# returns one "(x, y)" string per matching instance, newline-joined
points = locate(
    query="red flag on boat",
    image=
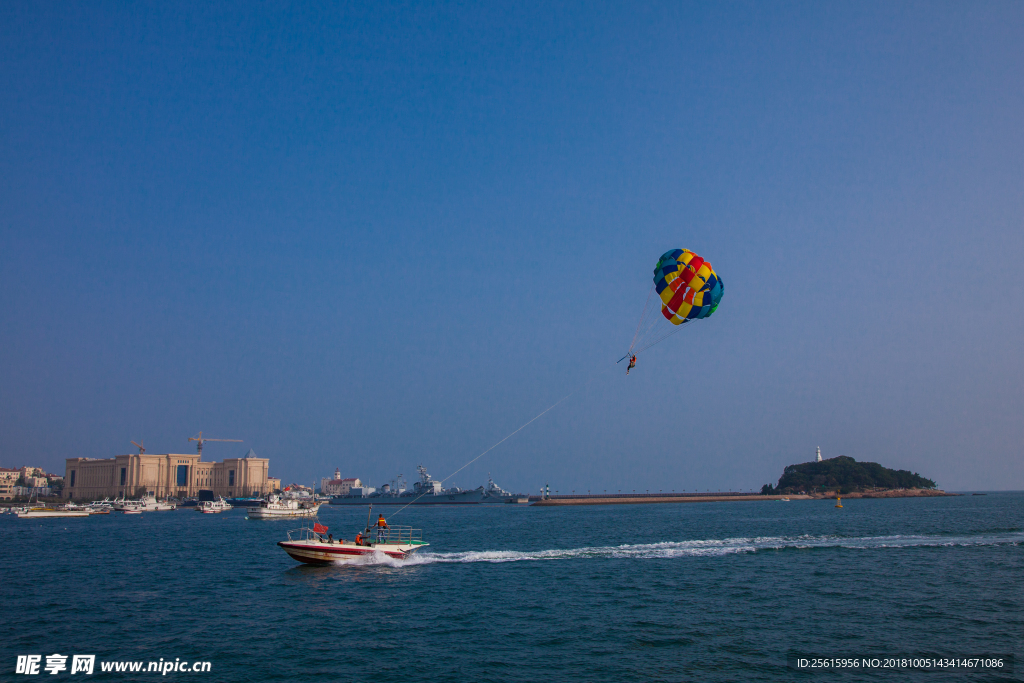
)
(319, 528)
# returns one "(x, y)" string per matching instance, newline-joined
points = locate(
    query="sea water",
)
(660, 592)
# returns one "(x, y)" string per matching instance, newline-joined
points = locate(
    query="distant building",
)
(819, 453)
(338, 486)
(34, 481)
(27, 491)
(32, 472)
(274, 484)
(163, 475)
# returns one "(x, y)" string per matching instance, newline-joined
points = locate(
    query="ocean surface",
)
(665, 592)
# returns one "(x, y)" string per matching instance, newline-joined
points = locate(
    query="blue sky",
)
(374, 236)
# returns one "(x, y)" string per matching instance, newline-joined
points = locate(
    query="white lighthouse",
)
(819, 453)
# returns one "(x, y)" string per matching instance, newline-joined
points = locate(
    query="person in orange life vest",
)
(381, 526)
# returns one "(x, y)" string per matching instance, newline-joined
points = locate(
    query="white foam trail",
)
(700, 548)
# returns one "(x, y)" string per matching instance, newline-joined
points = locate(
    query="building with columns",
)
(164, 475)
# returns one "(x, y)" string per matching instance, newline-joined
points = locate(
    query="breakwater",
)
(639, 498)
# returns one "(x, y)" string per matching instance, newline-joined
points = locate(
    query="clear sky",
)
(371, 236)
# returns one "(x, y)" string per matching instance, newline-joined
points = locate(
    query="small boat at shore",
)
(313, 545)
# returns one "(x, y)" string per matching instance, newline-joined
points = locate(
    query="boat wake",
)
(699, 548)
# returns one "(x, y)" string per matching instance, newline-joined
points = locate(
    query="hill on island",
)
(844, 474)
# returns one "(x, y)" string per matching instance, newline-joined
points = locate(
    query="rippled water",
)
(698, 591)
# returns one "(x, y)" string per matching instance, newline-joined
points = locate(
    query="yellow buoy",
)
(839, 501)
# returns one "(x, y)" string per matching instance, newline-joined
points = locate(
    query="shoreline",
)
(624, 499)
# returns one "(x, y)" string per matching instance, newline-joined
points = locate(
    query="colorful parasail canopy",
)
(688, 286)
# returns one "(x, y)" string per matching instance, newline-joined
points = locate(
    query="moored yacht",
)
(274, 507)
(151, 504)
(208, 507)
(69, 510)
(100, 507)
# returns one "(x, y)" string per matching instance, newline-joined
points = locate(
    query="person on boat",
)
(632, 363)
(359, 539)
(381, 526)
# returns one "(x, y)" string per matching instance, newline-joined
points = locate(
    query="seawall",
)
(628, 499)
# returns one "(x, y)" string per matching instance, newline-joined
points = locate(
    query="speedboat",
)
(274, 508)
(312, 545)
(209, 507)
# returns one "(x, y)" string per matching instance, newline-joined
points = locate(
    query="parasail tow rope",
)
(509, 436)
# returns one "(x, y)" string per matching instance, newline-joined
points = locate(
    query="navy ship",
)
(426, 491)
(494, 494)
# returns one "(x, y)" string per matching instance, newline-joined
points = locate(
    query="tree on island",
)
(845, 475)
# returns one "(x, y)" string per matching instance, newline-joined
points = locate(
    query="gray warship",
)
(426, 491)
(494, 494)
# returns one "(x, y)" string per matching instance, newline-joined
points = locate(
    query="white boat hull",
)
(212, 507)
(324, 553)
(38, 514)
(281, 513)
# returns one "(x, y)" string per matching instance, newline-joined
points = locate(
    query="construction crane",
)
(141, 448)
(201, 440)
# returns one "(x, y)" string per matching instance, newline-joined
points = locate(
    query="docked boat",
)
(125, 505)
(426, 491)
(274, 507)
(147, 503)
(245, 502)
(62, 511)
(151, 504)
(312, 544)
(100, 507)
(209, 507)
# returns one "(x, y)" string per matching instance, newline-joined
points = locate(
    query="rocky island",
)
(847, 477)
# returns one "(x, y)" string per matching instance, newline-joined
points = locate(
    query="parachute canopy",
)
(688, 286)
(689, 289)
